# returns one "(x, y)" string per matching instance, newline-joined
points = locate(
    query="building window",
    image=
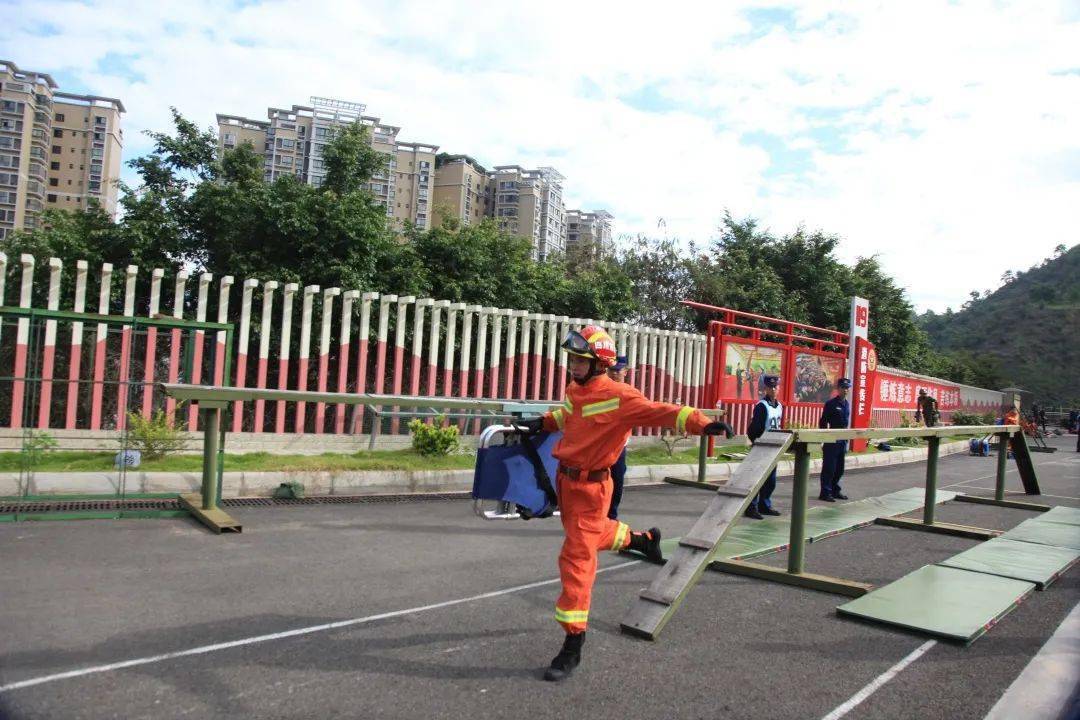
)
(51, 198)
(53, 182)
(59, 117)
(99, 119)
(57, 132)
(54, 165)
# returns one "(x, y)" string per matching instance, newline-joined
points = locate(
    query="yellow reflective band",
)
(600, 407)
(560, 420)
(680, 419)
(571, 616)
(620, 536)
(568, 405)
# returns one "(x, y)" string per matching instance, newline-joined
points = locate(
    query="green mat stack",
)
(963, 597)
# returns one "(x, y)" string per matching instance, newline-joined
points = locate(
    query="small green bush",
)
(964, 418)
(154, 438)
(438, 438)
(906, 422)
(37, 445)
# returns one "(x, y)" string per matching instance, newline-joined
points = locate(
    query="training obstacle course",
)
(714, 535)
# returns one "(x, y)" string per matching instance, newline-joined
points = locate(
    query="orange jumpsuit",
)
(596, 420)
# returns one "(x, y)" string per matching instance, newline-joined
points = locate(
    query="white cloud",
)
(939, 135)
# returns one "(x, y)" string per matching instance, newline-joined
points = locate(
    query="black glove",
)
(532, 426)
(713, 428)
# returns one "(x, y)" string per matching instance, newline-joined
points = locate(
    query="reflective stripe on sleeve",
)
(620, 537)
(569, 406)
(559, 417)
(680, 419)
(598, 408)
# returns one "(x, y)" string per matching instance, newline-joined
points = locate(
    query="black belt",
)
(590, 475)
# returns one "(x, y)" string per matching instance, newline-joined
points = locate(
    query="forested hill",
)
(1031, 325)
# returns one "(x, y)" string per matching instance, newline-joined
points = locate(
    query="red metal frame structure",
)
(789, 338)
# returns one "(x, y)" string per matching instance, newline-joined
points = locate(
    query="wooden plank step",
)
(647, 617)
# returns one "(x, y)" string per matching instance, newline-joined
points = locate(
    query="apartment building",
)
(291, 142)
(529, 203)
(56, 149)
(84, 159)
(590, 228)
(461, 190)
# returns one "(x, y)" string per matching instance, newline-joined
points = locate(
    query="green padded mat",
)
(1040, 564)
(1046, 532)
(757, 537)
(942, 601)
(748, 539)
(1061, 514)
(825, 522)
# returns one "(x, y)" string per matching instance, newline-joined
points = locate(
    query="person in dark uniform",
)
(768, 415)
(834, 416)
(738, 380)
(927, 407)
(617, 372)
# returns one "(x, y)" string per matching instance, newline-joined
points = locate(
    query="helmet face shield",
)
(576, 344)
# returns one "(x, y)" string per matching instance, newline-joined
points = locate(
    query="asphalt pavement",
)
(419, 609)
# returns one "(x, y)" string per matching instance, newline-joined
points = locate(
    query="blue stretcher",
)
(505, 474)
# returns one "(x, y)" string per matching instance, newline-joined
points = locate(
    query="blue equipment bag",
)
(506, 473)
(979, 446)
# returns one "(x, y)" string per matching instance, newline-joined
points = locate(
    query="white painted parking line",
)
(1045, 687)
(879, 681)
(204, 649)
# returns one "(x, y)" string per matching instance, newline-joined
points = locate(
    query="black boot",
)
(752, 512)
(567, 659)
(648, 544)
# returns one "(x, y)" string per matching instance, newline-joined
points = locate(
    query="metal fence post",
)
(798, 508)
(1002, 459)
(932, 444)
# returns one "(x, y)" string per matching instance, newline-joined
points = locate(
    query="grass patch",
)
(253, 462)
(407, 459)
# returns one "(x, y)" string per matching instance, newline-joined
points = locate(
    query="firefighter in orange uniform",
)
(596, 419)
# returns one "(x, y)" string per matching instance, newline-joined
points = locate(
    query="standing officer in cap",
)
(617, 372)
(834, 416)
(768, 414)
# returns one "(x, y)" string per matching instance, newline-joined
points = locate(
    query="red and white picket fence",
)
(455, 349)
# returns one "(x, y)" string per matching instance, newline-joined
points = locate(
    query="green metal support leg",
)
(204, 505)
(211, 425)
(1002, 458)
(798, 508)
(932, 445)
(1024, 465)
(703, 458)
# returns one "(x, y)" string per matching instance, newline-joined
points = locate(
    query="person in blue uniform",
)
(617, 372)
(768, 415)
(834, 416)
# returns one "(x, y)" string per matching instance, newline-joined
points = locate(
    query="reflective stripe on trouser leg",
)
(583, 506)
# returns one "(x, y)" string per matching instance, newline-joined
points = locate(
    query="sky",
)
(943, 137)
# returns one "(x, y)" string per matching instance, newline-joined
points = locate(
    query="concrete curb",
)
(364, 482)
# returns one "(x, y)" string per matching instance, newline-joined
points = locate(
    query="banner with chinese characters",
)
(902, 393)
(862, 397)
